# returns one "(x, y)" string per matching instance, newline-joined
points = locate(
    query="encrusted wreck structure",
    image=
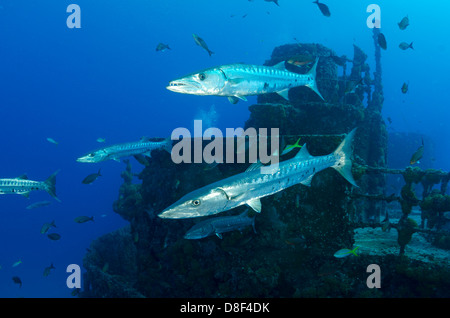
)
(299, 229)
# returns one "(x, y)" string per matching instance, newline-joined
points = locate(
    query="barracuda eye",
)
(201, 76)
(196, 202)
(91, 154)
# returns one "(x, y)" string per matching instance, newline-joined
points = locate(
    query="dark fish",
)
(405, 88)
(274, 1)
(47, 227)
(323, 8)
(405, 46)
(38, 205)
(301, 59)
(83, 219)
(17, 280)
(48, 270)
(92, 177)
(404, 23)
(382, 41)
(54, 236)
(162, 47)
(200, 42)
(417, 155)
(339, 60)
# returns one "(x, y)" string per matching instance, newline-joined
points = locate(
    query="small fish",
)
(54, 236)
(48, 270)
(200, 42)
(17, 280)
(404, 23)
(162, 47)
(382, 41)
(100, 140)
(47, 226)
(417, 155)
(405, 88)
(345, 252)
(75, 291)
(289, 148)
(105, 267)
(17, 263)
(83, 219)
(51, 140)
(385, 224)
(389, 119)
(405, 46)
(39, 204)
(340, 60)
(323, 8)
(274, 1)
(301, 59)
(91, 178)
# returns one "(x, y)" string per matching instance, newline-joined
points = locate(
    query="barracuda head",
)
(207, 82)
(94, 156)
(201, 202)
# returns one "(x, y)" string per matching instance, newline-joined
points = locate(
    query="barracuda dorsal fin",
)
(23, 177)
(303, 154)
(255, 204)
(280, 66)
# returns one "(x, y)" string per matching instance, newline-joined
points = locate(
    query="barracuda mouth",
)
(187, 87)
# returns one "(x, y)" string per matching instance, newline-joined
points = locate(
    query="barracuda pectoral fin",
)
(284, 93)
(233, 100)
(148, 154)
(307, 181)
(255, 204)
(219, 235)
(26, 194)
(241, 97)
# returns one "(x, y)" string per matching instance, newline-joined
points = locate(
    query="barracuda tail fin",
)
(343, 153)
(168, 145)
(313, 83)
(50, 186)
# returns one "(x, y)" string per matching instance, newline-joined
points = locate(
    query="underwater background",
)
(106, 80)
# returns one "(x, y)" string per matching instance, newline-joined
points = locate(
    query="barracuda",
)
(248, 187)
(219, 225)
(236, 81)
(115, 152)
(23, 186)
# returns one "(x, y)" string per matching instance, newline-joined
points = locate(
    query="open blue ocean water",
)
(106, 80)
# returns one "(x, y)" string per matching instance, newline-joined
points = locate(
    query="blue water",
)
(106, 80)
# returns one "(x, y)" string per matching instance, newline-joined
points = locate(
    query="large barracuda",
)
(248, 187)
(142, 147)
(219, 225)
(236, 81)
(21, 185)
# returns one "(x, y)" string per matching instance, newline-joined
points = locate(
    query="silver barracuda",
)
(236, 81)
(115, 152)
(21, 185)
(248, 187)
(219, 225)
